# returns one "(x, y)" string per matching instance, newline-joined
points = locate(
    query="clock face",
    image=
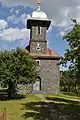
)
(38, 47)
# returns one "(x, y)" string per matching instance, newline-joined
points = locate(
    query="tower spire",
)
(38, 1)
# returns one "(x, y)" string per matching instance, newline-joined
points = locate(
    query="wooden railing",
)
(3, 115)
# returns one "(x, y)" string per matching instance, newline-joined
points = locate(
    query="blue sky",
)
(14, 14)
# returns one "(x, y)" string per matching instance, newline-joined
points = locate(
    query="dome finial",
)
(38, 4)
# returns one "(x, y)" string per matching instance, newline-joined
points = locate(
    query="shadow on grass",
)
(4, 97)
(39, 110)
(70, 110)
(71, 94)
(55, 99)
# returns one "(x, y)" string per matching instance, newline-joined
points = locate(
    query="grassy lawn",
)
(15, 108)
(43, 107)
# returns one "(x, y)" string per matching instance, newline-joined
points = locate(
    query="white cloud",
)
(59, 11)
(66, 29)
(3, 24)
(62, 33)
(12, 34)
(16, 19)
(11, 10)
(66, 12)
(18, 2)
(17, 12)
(13, 19)
(64, 23)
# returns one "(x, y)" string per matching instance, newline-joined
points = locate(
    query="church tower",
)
(38, 25)
(48, 60)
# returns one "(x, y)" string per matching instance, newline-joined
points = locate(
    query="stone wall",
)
(50, 75)
(50, 78)
(24, 88)
(35, 36)
(38, 38)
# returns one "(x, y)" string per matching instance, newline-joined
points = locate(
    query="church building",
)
(47, 60)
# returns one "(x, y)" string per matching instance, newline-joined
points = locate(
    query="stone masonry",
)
(49, 72)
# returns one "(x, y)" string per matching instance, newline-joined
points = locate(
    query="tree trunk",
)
(11, 89)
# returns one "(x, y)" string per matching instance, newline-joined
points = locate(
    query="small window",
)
(38, 30)
(38, 62)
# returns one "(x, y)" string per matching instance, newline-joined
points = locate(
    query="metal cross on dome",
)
(38, 1)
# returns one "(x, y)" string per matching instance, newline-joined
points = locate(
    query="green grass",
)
(34, 107)
(15, 108)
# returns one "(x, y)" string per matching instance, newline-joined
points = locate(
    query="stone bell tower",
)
(48, 60)
(38, 25)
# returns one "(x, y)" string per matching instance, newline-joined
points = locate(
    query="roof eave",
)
(46, 57)
(41, 22)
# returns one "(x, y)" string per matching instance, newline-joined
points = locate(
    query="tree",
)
(16, 66)
(67, 81)
(72, 54)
